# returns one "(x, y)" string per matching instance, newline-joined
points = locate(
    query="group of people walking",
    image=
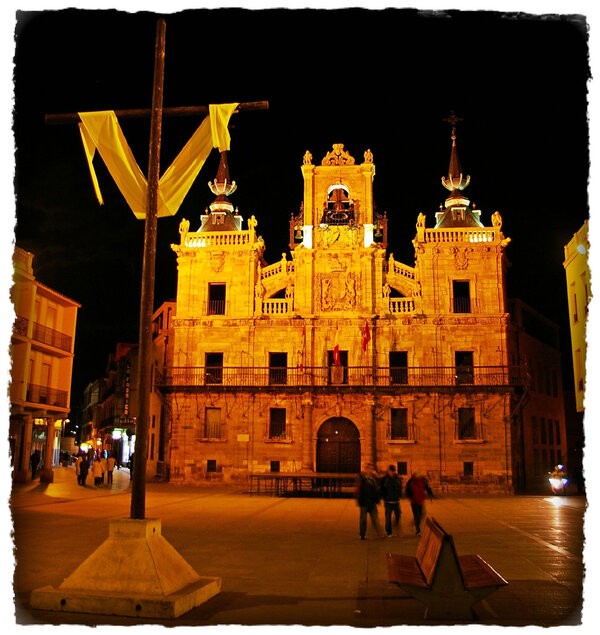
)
(98, 464)
(372, 488)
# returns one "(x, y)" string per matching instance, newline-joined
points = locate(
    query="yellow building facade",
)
(41, 350)
(337, 354)
(577, 273)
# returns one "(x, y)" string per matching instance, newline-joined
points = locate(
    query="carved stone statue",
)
(184, 227)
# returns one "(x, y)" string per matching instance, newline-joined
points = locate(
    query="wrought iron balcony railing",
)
(42, 334)
(337, 376)
(47, 396)
(51, 337)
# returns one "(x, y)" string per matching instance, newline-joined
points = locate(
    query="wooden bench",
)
(446, 583)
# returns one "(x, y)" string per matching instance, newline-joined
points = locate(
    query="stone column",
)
(374, 433)
(47, 473)
(307, 432)
(23, 452)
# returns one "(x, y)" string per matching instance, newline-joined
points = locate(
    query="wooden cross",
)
(138, 489)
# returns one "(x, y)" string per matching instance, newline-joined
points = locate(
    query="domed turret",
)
(456, 211)
(221, 216)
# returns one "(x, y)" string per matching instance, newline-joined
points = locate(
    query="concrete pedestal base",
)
(135, 572)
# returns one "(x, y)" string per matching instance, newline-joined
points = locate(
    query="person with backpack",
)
(417, 490)
(391, 490)
(368, 495)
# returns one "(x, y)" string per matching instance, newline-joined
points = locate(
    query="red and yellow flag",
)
(366, 336)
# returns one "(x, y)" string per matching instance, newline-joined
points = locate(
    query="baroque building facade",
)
(339, 355)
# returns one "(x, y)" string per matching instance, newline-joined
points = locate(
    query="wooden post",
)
(138, 491)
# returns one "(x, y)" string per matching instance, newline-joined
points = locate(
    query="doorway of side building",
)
(338, 447)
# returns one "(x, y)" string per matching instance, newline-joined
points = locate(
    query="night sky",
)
(383, 79)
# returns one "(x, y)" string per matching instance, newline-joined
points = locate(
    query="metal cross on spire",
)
(453, 119)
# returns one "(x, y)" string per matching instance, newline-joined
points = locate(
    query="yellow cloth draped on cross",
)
(101, 131)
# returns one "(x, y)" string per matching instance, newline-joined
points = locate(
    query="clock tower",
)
(336, 236)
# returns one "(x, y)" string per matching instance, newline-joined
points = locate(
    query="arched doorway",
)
(338, 447)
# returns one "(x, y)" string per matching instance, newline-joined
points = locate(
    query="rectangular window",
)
(542, 430)
(277, 368)
(554, 383)
(463, 362)
(214, 368)
(466, 423)
(398, 423)
(557, 431)
(211, 465)
(275, 466)
(461, 296)
(402, 468)
(586, 293)
(212, 423)
(338, 374)
(277, 424)
(468, 468)
(216, 299)
(398, 367)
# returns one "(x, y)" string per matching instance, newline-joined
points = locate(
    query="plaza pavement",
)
(299, 561)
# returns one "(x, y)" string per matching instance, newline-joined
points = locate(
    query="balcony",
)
(350, 379)
(47, 336)
(42, 334)
(46, 396)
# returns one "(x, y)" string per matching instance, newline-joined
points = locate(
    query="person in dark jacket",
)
(84, 468)
(391, 491)
(34, 461)
(417, 490)
(368, 495)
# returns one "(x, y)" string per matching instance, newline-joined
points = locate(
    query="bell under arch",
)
(338, 447)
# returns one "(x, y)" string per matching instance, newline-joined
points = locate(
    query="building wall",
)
(336, 283)
(540, 423)
(579, 294)
(42, 348)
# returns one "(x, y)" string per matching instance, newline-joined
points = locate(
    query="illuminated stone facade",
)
(577, 274)
(337, 354)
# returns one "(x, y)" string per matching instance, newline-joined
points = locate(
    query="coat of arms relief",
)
(338, 291)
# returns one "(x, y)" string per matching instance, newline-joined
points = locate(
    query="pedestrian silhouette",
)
(417, 490)
(368, 495)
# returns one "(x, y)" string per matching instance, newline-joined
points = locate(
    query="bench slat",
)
(478, 573)
(405, 570)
